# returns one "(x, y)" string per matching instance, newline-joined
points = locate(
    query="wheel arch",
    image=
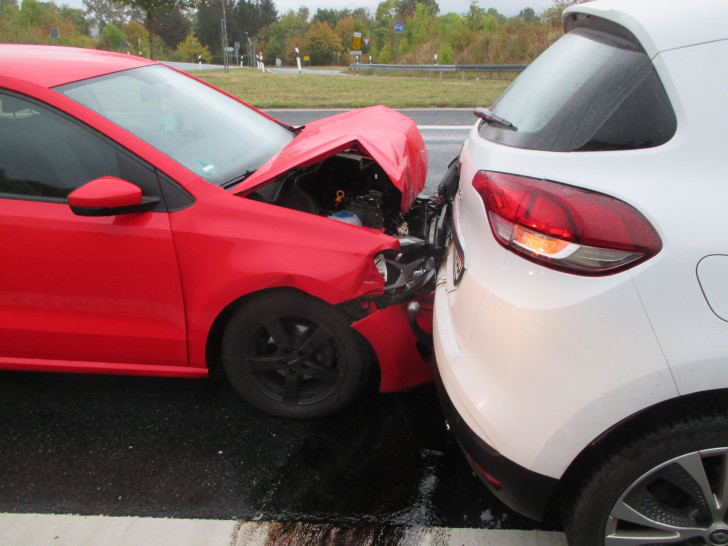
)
(610, 441)
(213, 344)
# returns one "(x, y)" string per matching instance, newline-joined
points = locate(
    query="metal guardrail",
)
(440, 68)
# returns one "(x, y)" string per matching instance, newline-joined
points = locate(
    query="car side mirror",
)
(109, 196)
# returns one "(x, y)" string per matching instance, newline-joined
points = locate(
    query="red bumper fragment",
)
(388, 332)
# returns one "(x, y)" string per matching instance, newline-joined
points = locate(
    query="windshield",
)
(208, 132)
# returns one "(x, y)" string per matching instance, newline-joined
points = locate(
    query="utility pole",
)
(224, 38)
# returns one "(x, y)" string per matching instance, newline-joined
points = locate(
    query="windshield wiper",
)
(487, 115)
(235, 181)
(292, 128)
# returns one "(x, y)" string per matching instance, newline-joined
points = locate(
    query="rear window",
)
(592, 90)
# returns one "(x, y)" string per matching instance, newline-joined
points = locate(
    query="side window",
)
(44, 155)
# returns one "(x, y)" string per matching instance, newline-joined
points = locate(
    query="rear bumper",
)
(522, 490)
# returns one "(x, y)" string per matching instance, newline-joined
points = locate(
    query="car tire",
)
(291, 355)
(669, 484)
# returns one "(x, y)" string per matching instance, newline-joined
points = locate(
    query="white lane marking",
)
(51, 529)
(445, 127)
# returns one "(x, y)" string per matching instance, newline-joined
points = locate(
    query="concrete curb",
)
(69, 530)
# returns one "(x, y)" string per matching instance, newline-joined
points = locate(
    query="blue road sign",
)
(399, 27)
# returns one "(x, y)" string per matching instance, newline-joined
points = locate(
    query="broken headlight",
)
(407, 271)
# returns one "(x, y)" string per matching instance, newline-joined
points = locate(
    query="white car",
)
(581, 317)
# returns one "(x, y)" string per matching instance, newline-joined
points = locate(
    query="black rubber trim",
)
(576, 20)
(146, 205)
(522, 490)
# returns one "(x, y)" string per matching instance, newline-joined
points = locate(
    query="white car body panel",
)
(505, 358)
(539, 363)
(537, 411)
(663, 29)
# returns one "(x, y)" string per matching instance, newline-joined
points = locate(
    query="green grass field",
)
(272, 90)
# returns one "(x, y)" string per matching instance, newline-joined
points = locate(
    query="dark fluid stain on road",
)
(131, 446)
(284, 534)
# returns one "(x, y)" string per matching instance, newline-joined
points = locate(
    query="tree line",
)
(191, 30)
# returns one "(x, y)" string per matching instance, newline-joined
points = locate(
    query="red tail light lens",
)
(564, 227)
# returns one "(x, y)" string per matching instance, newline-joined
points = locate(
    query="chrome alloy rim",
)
(682, 501)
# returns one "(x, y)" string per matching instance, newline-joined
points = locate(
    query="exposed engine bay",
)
(353, 188)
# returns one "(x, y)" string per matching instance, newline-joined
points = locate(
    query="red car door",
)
(80, 291)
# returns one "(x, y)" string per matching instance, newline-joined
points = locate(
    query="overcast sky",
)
(506, 7)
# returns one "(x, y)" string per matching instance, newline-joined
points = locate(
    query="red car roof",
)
(49, 66)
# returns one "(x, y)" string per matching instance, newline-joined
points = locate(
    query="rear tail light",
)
(564, 227)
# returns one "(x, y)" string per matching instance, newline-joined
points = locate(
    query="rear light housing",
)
(564, 227)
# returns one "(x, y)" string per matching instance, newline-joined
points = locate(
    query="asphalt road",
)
(192, 449)
(179, 448)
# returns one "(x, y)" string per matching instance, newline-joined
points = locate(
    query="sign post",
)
(298, 60)
(398, 31)
(223, 22)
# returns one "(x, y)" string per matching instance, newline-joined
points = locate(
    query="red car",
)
(153, 225)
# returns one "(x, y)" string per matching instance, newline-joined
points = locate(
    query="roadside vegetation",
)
(189, 30)
(312, 91)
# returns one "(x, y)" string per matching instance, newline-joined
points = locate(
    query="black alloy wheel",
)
(293, 356)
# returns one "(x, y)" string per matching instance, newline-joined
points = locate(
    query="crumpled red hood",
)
(388, 137)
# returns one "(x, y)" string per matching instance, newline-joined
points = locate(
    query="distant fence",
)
(441, 68)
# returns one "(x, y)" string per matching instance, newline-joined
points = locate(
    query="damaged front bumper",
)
(398, 322)
(411, 271)
(401, 363)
